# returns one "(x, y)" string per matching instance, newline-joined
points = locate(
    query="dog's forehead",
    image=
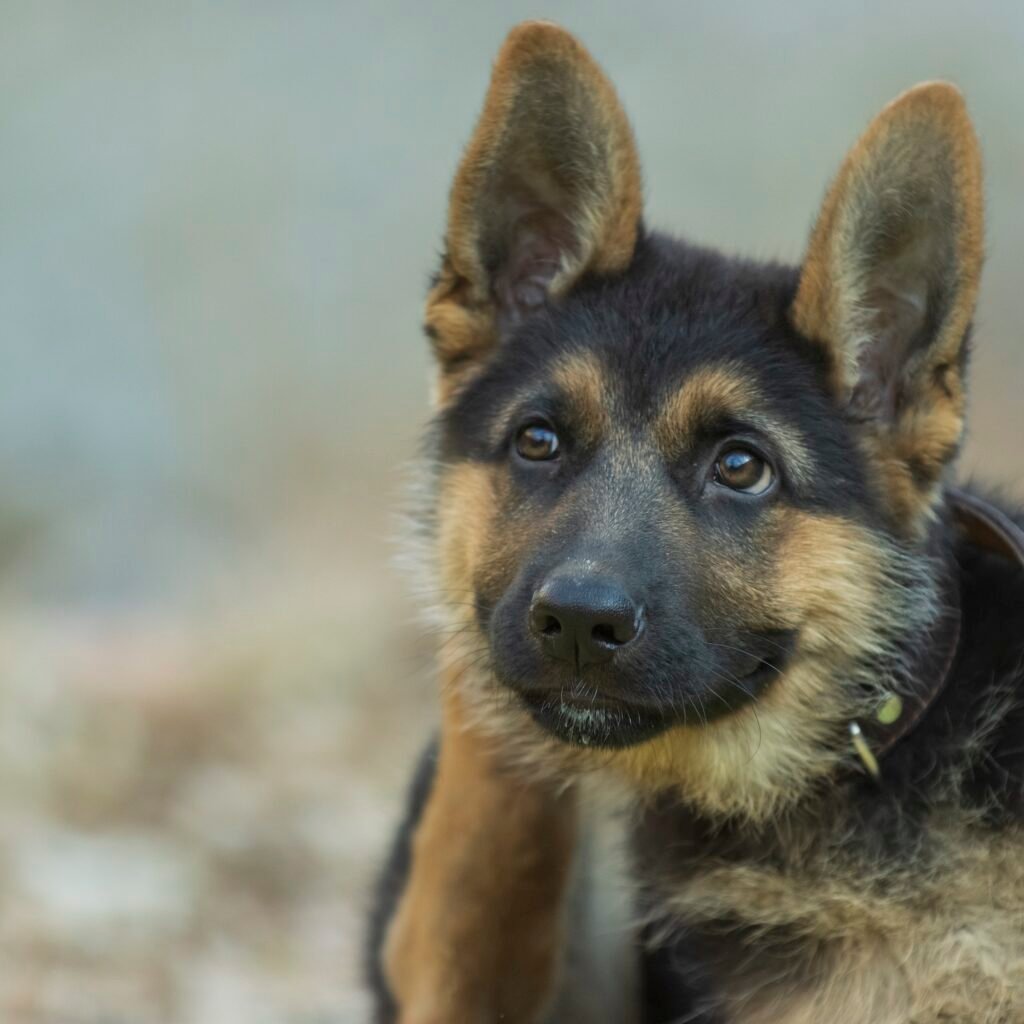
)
(684, 341)
(677, 411)
(675, 404)
(672, 369)
(677, 311)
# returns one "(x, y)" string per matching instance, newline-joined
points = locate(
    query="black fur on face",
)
(673, 486)
(646, 379)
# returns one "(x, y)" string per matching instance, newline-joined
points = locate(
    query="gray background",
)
(216, 226)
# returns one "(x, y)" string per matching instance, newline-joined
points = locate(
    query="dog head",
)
(685, 505)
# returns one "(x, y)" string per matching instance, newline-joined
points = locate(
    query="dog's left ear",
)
(889, 285)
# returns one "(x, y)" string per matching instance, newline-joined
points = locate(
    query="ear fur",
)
(889, 285)
(548, 189)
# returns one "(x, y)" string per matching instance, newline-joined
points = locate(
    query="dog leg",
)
(477, 932)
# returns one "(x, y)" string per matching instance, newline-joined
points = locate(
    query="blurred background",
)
(216, 227)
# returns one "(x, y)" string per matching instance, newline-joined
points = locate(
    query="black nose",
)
(584, 620)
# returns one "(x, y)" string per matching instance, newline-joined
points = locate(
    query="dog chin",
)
(610, 723)
(604, 724)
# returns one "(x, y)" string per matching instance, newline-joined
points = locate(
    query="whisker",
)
(749, 654)
(784, 648)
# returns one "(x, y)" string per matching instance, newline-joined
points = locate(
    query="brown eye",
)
(741, 470)
(537, 443)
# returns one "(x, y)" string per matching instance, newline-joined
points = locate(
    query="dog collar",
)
(987, 527)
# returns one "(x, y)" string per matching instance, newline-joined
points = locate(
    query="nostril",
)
(551, 626)
(617, 631)
(604, 633)
(544, 622)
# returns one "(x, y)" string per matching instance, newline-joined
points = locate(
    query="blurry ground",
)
(193, 805)
(216, 222)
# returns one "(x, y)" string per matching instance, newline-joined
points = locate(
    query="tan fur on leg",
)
(478, 932)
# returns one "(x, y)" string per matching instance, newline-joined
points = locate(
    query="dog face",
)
(636, 500)
(684, 503)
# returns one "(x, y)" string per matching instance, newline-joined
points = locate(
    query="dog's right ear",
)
(548, 188)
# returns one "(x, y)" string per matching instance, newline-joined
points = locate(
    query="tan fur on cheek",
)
(830, 585)
(466, 513)
(829, 578)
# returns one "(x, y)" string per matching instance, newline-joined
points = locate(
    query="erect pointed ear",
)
(889, 284)
(548, 188)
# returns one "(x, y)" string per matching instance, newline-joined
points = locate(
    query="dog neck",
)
(896, 716)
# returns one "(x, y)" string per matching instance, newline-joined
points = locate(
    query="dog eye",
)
(741, 470)
(537, 443)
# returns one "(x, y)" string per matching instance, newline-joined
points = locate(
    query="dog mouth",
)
(598, 722)
(582, 714)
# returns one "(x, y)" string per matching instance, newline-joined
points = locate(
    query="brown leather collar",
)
(985, 526)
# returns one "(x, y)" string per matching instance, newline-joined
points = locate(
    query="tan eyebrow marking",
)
(725, 390)
(581, 382)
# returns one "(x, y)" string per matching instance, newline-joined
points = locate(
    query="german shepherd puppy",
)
(690, 531)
